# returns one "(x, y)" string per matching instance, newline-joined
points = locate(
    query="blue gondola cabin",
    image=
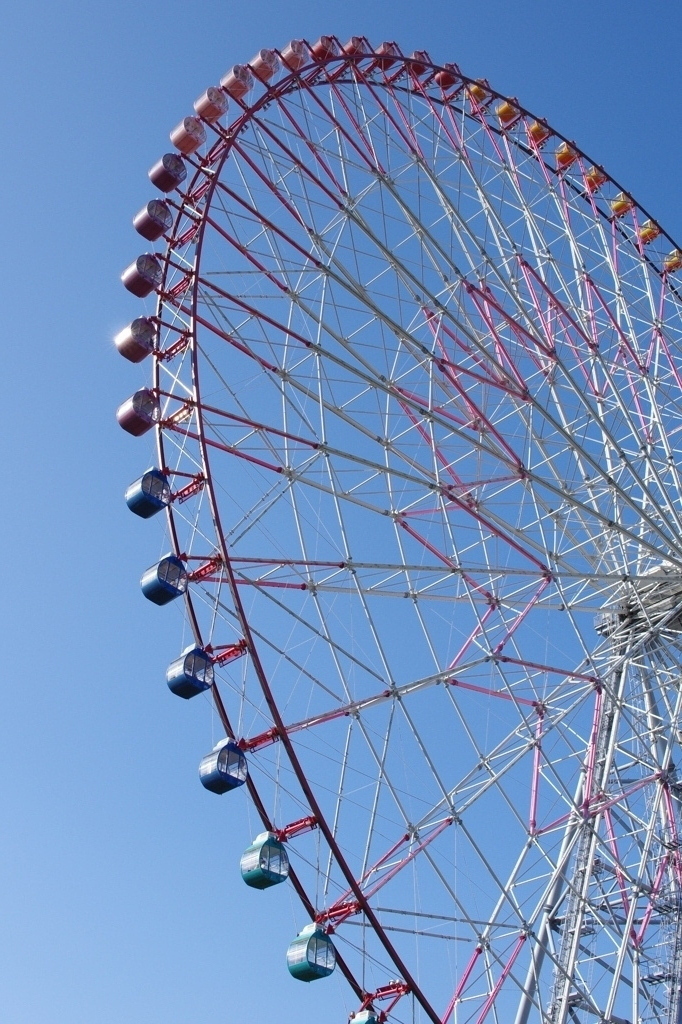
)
(164, 581)
(265, 862)
(311, 955)
(191, 674)
(149, 495)
(224, 768)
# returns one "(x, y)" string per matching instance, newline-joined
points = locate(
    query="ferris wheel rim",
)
(291, 82)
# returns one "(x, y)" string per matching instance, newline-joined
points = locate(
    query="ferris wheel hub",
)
(652, 601)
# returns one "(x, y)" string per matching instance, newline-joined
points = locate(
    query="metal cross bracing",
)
(422, 393)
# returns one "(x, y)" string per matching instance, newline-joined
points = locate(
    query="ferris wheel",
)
(417, 394)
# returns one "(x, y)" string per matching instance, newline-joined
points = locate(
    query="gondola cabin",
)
(168, 172)
(189, 135)
(539, 132)
(224, 768)
(265, 862)
(479, 92)
(265, 64)
(164, 581)
(149, 495)
(447, 77)
(324, 48)
(238, 81)
(139, 413)
(212, 104)
(191, 674)
(565, 156)
(673, 261)
(295, 55)
(648, 232)
(143, 276)
(136, 341)
(621, 204)
(311, 955)
(356, 44)
(364, 1017)
(387, 54)
(153, 220)
(420, 62)
(594, 179)
(508, 113)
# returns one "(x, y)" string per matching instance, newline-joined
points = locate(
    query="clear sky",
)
(120, 899)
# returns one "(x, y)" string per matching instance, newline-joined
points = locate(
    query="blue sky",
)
(121, 899)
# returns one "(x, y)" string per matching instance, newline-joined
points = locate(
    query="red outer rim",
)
(307, 77)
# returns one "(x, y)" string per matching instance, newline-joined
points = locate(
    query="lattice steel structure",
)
(417, 368)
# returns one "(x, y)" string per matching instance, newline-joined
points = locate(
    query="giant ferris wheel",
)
(416, 386)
